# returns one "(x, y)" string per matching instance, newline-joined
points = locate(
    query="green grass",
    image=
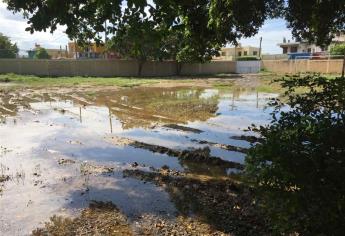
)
(28, 80)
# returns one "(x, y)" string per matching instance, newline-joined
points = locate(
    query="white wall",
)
(248, 67)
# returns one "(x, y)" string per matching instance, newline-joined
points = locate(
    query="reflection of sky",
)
(89, 125)
(65, 129)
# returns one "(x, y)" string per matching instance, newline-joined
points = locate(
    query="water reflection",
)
(42, 127)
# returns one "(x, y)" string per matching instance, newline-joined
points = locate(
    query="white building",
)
(305, 47)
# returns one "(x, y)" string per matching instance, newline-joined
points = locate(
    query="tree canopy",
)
(204, 22)
(7, 48)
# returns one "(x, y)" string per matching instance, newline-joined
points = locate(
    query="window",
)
(245, 53)
(255, 53)
(239, 54)
(309, 50)
(285, 50)
(293, 49)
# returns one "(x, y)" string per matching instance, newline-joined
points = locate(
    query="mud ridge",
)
(250, 139)
(99, 219)
(195, 155)
(183, 128)
(226, 206)
(222, 146)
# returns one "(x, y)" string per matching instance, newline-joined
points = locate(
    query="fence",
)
(302, 66)
(275, 57)
(108, 68)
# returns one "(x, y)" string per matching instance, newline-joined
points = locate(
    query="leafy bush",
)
(7, 49)
(299, 166)
(247, 59)
(41, 53)
(338, 49)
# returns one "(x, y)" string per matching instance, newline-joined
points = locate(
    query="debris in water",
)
(63, 161)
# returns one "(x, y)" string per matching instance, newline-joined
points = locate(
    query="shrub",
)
(41, 53)
(247, 59)
(338, 49)
(298, 168)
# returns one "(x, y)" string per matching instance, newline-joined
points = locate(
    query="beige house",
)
(239, 51)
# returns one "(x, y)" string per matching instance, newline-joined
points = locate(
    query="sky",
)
(13, 26)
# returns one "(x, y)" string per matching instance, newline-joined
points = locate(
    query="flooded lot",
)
(165, 158)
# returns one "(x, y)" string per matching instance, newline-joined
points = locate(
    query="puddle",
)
(49, 138)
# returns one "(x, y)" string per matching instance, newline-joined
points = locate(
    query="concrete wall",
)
(302, 66)
(108, 68)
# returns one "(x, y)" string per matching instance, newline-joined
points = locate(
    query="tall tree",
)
(7, 48)
(206, 23)
(137, 37)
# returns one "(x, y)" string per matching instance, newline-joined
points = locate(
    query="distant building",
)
(92, 51)
(299, 47)
(53, 53)
(305, 47)
(239, 51)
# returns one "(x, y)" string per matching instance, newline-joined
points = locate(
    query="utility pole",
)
(260, 47)
(343, 72)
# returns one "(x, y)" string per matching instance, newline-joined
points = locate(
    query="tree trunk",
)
(140, 67)
(178, 68)
(343, 71)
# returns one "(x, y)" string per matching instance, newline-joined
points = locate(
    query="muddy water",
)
(55, 148)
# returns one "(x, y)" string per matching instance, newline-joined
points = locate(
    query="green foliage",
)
(338, 49)
(315, 20)
(204, 22)
(41, 53)
(7, 49)
(137, 37)
(298, 168)
(249, 58)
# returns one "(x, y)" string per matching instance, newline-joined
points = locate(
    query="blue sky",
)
(14, 26)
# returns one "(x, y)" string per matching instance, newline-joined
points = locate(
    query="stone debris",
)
(91, 169)
(63, 161)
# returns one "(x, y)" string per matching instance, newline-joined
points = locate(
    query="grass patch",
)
(28, 80)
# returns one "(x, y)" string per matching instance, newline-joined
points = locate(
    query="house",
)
(299, 47)
(239, 51)
(92, 51)
(305, 47)
(53, 53)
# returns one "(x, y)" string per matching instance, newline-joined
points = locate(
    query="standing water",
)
(62, 150)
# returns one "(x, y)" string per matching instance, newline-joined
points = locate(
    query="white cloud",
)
(14, 25)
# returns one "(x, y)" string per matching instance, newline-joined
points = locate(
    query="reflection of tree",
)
(142, 107)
